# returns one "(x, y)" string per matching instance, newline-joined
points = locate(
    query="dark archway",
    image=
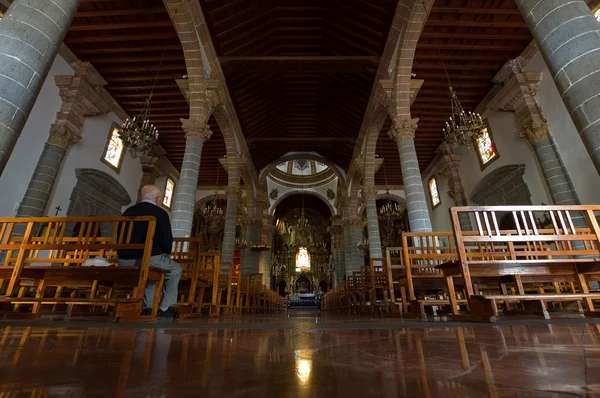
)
(97, 194)
(281, 288)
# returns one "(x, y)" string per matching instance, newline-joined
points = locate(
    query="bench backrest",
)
(50, 240)
(541, 234)
(423, 251)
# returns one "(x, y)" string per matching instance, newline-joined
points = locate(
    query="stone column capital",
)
(403, 128)
(233, 193)
(63, 136)
(198, 130)
(535, 131)
(352, 222)
(370, 192)
(456, 191)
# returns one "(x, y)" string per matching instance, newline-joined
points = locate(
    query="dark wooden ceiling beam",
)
(114, 49)
(108, 38)
(475, 10)
(478, 24)
(119, 12)
(121, 25)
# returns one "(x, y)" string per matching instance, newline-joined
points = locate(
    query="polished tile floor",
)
(300, 355)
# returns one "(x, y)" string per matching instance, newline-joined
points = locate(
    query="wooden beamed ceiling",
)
(125, 41)
(475, 38)
(299, 71)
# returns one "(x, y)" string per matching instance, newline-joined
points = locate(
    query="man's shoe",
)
(169, 313)
(147, 311)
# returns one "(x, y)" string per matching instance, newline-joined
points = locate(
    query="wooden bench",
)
(42, 266)
(198, 270)
(562, 252)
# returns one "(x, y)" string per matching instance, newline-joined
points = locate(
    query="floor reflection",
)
(496, 361)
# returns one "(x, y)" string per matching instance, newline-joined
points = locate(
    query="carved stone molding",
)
(456, 191)
(370, 192)
(63, 136)
(352, 222)
(535, 131)
(233, 192)
(403, 128)
(198, 130)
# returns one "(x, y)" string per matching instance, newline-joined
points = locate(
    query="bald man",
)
(161, 250)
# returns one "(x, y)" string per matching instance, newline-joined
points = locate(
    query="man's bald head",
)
(153, 193)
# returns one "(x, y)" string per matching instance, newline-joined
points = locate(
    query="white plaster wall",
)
(87, 154)
(512, 150)
(575, 157)
(440, 216)
(22, 162)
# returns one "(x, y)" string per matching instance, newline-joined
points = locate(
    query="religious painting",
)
(302, 260)
(434, 192)
(169, 190)
(114, 149)
(486, 150)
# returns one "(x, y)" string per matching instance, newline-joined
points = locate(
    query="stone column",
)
(32, 31)
(233, 194)
(250, 263)
(352, 237)
(567, 36)
(518, 94)
(403, 132)
(337, 234)
(451, 170)
(266, 239)
(182, 215)
(370, 195)
(82, 95)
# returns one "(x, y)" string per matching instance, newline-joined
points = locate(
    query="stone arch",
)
(301, 155)
(503, 186)
(311, 193)
(97, 194)
(202, 104)
(385, 196)
(398, 56)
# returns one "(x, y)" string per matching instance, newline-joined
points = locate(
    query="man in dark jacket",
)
(161, 250)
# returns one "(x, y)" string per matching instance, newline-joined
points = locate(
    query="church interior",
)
(370, 198)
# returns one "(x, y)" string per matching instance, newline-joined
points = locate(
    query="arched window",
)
(302, 260)
(434, 193)
(486, 149)
(169, 190)
(114, 149)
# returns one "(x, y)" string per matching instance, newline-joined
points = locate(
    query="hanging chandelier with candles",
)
(463, 127)
(139, 135)
(213, 212)
(391, 210)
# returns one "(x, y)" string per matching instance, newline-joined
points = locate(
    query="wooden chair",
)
(395, 269)
(377, 287)
(43, 266)
(527, 254)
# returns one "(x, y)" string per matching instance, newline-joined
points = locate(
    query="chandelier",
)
(212, 211)
(463, 127)
(391, 210)
(139, 135)
(363, 244)
(240, 243)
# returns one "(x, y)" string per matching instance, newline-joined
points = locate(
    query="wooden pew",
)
(422, 252)
(376, 286)
(197, 275)
(395, 269)
(42, 266)
(561, 253)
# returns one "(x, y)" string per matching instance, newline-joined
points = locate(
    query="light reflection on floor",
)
(300, 361)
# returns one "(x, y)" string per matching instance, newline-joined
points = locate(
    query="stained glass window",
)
(169, 189)
(597, 14)
(114, 150)
(302, 260)
(434, 192)
(485, 147)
